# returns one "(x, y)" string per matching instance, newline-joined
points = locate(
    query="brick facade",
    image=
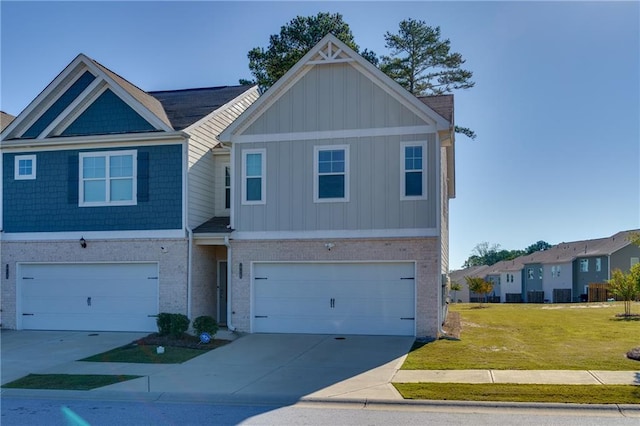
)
(171, 255)
(424, 251)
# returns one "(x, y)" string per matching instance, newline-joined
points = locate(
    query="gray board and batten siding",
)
(374, 179)
(337, 98)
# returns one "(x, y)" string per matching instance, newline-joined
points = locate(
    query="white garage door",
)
(346, 298)
(89, 296)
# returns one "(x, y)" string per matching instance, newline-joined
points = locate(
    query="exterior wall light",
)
(83, 242)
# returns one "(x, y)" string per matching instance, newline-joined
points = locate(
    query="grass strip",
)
(576, 394)
(146, 354)
(67, 381)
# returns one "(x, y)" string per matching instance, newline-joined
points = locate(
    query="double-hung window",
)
(25, 167)
(254, 176)
(108, 178)
(331, 173)
(584, 265)
(413, 175)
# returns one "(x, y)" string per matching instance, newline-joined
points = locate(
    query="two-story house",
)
(102, 184)
(339, 205)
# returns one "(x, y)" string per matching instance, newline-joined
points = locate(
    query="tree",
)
(539, 246)
(296, 38)
(421, 62)
(455, 287)
(479, 285)
(626, 286)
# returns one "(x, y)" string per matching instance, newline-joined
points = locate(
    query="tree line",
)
(419, 59)
(489, 254)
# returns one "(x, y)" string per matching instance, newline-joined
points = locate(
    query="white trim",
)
(334, 134)
(16, 165)
(75, 108)
(91, 142)
(94, 235)
(233, 186)
(403, 171)
(335, 234)
(209, 239)
(316, 173)
(263, 176)
(107, 178)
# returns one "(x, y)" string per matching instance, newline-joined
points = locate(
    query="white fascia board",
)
(336, 234)
(92, 142)
(20, 119)
(336, 134)
(94, 235)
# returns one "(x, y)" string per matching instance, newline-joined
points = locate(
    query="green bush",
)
(164, 323)
(173, 324)
(205, 324)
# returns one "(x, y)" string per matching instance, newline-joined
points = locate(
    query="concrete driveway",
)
(264, 367)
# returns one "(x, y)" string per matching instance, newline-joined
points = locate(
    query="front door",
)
(222, 293)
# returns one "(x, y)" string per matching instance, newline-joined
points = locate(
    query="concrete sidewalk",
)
(551, 377)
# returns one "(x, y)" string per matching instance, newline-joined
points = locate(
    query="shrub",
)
(205, 324)
(174, 324)
(164, 323)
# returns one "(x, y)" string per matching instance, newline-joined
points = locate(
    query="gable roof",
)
(187, 106)
(331, 50)
(442, 104)
(97, 79)
(5, 120)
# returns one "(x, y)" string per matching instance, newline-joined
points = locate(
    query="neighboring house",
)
(101, 186)
(562, 273)
(340, 185)
(458, 277)
(5, 120)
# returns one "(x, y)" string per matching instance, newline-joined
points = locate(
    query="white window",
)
(584, 265)
(558, 271)
(331, 173)
(108, 178)
(25, 167)
(540, 273)
(530, 273)
(413, 179)
(598, 264)
(227, 187)
(633, 261)
(254, 176)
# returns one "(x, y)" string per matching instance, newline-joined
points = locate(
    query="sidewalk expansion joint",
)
(595, 377)
(493, 379)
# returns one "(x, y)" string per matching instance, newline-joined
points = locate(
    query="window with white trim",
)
(331, 173)
(598, 264)
(413, 179)
(108, 178)
(25, 167)
(530, 273)
(633, 261)
(254, 176)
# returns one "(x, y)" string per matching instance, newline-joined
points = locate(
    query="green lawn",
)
(67, 381)
(146, 354)
(576, 394)
(535, 337)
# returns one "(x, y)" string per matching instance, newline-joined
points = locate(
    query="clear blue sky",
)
(555, 107)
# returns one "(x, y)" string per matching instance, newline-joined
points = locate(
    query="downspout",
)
(189, 274)
(185, 216)
(229, 286)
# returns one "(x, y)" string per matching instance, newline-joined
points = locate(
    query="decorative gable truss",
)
(87, 99)
(329, 53)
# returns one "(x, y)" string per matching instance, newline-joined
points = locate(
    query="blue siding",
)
(59, 105)
(50, 202)
(108, 114)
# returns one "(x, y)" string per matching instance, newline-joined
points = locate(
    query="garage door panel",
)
(349, 298)
(100, 297)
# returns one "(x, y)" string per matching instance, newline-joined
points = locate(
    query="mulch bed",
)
(186, 341)
(453, 325)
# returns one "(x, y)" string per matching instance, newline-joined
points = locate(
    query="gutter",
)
(230, 326)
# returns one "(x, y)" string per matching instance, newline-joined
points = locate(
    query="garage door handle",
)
(27, 315)
(261, 316)
(332, 303)
(88, 301)
(407, 318)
